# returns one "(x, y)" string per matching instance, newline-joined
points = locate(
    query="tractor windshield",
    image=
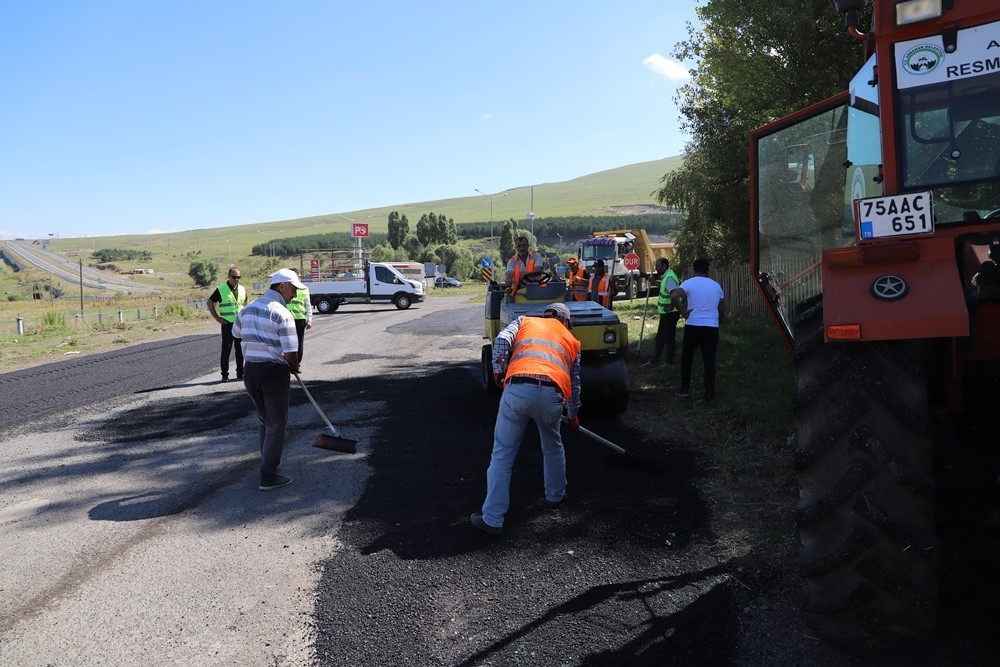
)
(948, 123)
(801, 207)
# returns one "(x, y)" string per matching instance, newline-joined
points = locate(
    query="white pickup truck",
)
(381, 284)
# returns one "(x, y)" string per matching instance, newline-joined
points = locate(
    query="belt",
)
(520, 379)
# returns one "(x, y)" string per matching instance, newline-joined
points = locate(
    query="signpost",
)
(631, 261)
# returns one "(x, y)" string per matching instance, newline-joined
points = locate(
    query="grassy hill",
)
(615, 191)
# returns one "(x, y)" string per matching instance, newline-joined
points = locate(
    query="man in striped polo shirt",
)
(271, 353)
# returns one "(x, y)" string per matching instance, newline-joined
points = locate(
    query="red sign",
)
(359, 230)
(314, 269)
(631, 261)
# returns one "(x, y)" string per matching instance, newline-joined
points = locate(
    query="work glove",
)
(574, 421)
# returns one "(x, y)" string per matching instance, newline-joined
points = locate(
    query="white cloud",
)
(162, 231)
(487, 116)
(666, 68)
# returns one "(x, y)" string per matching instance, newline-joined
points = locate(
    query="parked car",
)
(447, 281)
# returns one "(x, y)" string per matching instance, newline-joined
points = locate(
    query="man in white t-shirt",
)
(703, 305)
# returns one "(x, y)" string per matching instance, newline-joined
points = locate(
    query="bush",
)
(54, 320)
(176, 310)
(203, 272)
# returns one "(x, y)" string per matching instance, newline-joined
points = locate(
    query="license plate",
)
(899, 215)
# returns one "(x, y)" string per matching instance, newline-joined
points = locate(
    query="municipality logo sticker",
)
(922, 59)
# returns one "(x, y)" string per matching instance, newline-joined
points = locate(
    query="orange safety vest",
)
(544, 346)
(575, 284)
(528, 268)
(603, 290)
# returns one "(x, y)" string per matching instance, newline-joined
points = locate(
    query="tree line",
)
(436, 238)
(757, 61)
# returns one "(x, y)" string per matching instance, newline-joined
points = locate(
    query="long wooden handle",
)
(604, 441)
(312, 400)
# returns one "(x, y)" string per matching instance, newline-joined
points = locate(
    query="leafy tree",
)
(758, 60)
(412, 246)
(399, 227)
(425, 232)
(508, 232)
(203, 272)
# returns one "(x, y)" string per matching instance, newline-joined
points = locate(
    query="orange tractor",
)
(876, 244)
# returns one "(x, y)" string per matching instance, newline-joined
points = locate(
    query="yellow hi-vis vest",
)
(663, 305)
(231, 304)
(298, 306)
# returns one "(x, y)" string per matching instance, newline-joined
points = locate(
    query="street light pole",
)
(502, 194)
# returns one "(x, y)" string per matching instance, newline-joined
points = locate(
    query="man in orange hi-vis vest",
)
(523, 262)
(601, 287)
(537, 361)
(576, 281)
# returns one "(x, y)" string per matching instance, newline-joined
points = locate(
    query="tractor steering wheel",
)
(534, 277)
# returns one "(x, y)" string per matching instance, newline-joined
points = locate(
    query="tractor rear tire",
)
(865, 515)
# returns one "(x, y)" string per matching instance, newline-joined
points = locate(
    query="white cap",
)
(286, 276)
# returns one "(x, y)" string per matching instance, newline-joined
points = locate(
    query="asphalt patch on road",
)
(616, 575)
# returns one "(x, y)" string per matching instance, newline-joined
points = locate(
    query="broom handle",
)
(642, 327)
(604, 441)
(312, 400)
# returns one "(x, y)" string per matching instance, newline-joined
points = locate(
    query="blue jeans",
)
(519, 404)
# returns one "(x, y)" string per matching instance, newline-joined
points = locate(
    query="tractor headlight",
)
(914, 11)
(609, 337)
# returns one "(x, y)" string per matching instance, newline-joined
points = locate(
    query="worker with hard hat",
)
(537, 361)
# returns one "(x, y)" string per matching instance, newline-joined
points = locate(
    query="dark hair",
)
(700, 265)
(664, 261)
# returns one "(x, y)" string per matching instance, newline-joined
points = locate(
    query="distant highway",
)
(66, 270)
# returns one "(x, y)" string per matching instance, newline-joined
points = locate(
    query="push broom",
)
(333, 440)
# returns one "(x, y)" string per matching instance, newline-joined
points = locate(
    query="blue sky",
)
(125, 117)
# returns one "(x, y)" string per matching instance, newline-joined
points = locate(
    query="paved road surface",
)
(132, 532)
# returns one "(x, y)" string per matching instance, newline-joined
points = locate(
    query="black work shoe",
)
(276, 482)
(239, 376)
(477, 522)
(555, 504)
(225, 378)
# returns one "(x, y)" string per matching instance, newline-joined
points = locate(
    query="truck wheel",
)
(402, 301)
(865, 513)
(630, 288)
(487, 369)
(326, 306)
